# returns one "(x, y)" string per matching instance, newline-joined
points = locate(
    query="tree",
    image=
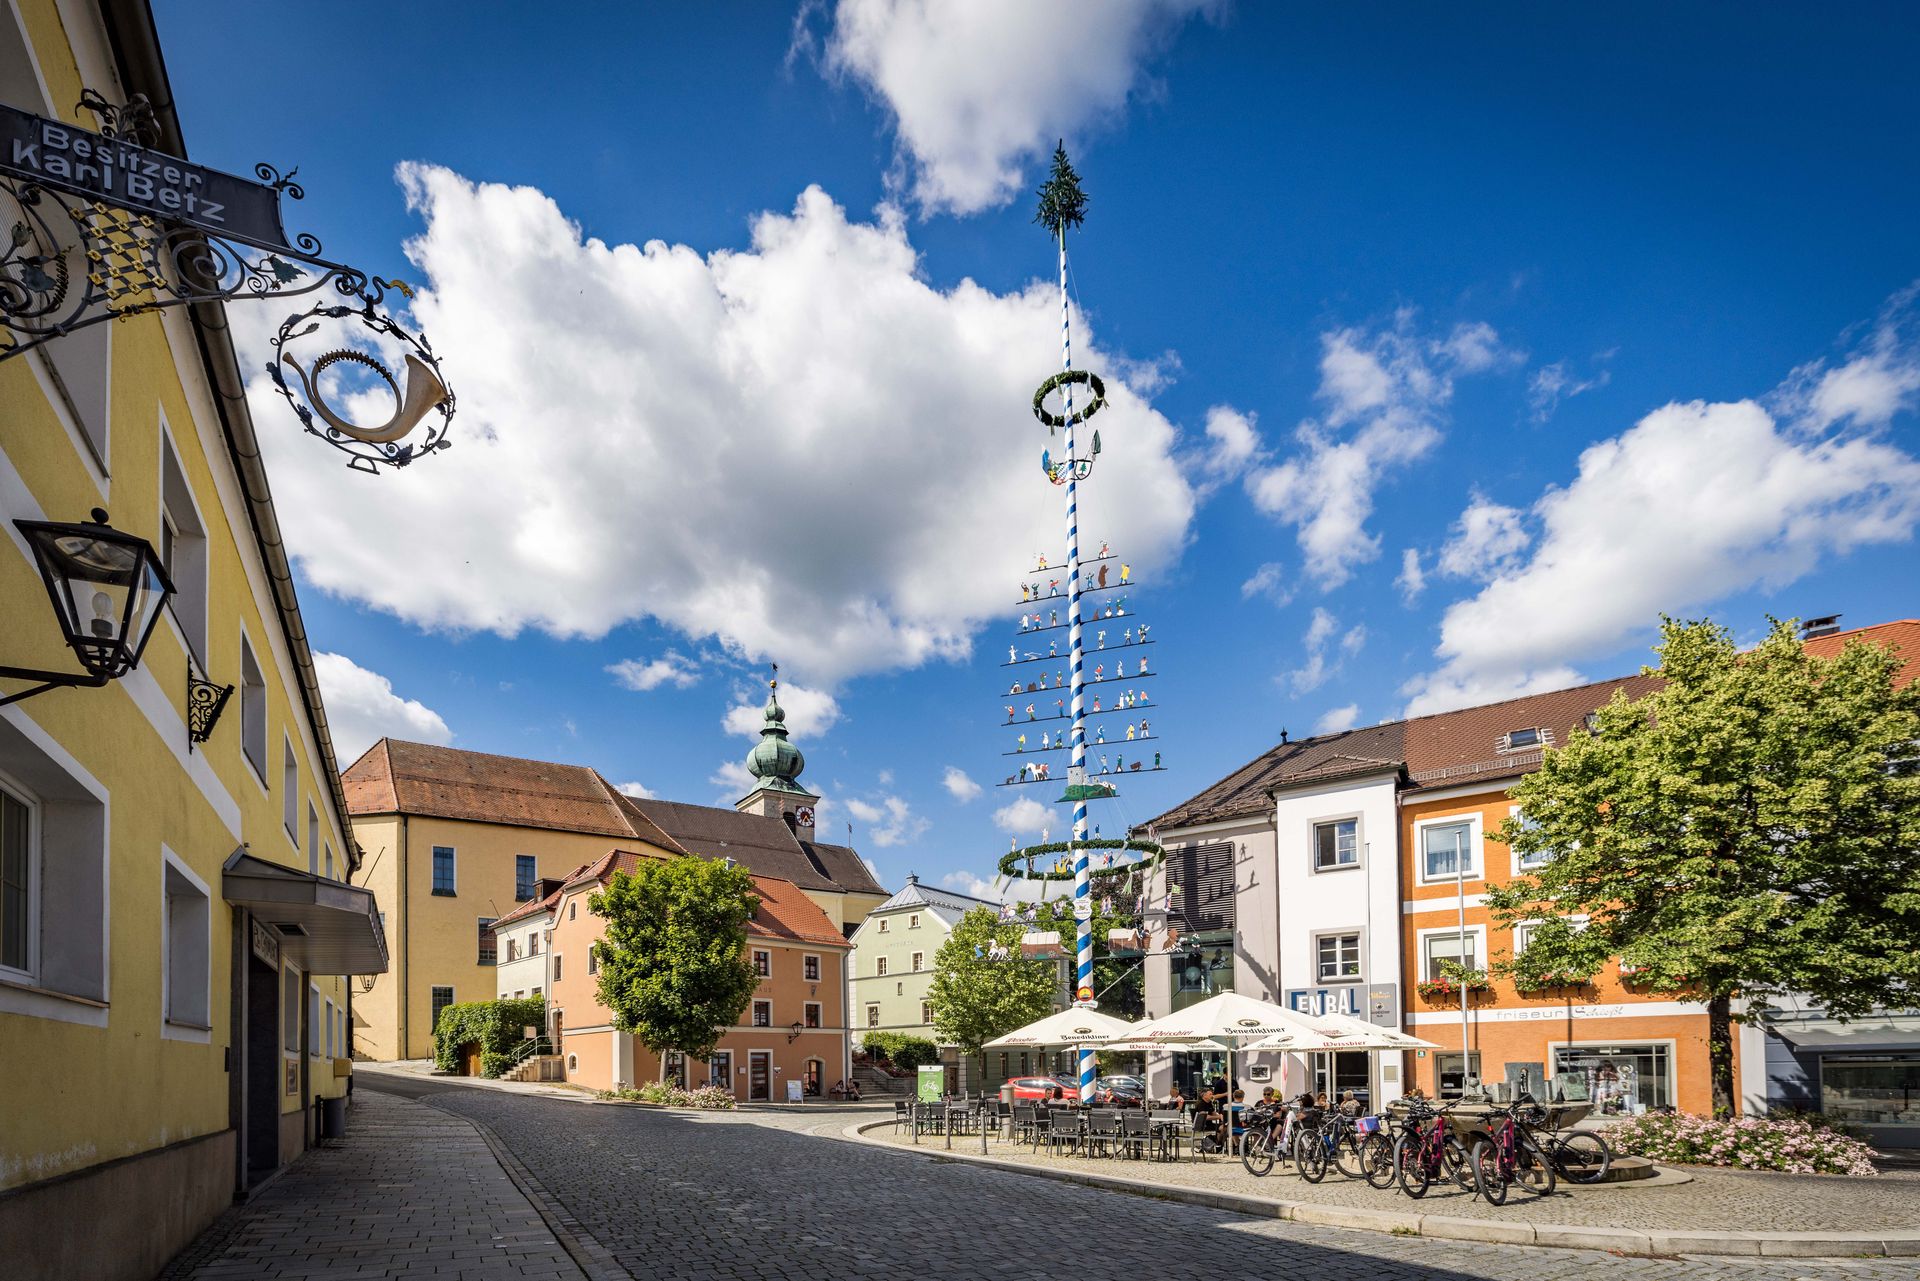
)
(976, 999)
(1749, 829)
(673, 967)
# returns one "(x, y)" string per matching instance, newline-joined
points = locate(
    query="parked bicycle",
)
(1509, 1155)
(1260, 1143)
(1327, 1138)
(1578, 1156)
(1426, 1151)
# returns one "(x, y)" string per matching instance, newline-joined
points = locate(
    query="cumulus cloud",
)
(890, 819)
(1337, 720)
(639, 791)
(362, 709)
(980, 88)
(671, 667)
(1413, 579)
(1693, 503)
(1321, 666)
(1385, 394)
(1026, 817)
(1486, 539)
(734, 781)
(1268, 582)
(810, 712)
(959, 785)
(1875, 382)
(716, 442)
(998, 890)
(1232, 444)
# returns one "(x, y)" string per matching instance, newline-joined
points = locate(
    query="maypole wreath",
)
(1095, 403)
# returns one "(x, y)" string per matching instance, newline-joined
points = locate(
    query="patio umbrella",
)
(1204, 1045)
(1074, 1025)
(1375, 1036)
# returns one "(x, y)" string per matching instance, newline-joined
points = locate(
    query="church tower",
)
(777, 763)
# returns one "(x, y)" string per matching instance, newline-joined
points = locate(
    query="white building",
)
(522, 946)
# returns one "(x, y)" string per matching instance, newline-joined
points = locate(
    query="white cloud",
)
(1554, 383)
(959, 786)
(1487, 539)
(1695, 502)
(890, 819)
(1026, 817)
(362, 709)
(1315, 671)
(1385, 393)
(1268, 581)
(734, 782)
(639, 791)
(1868, 388)
(1016, 890)
(1413, 579)
(864, 812)
(978, 88)
(1354, 640)
(1232, 444)
(810, 713)
(714, 442)
(645, 674)
(1337, 720)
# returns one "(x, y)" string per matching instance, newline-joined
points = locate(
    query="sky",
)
(1446, 351)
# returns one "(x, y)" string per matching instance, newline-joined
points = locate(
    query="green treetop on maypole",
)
(1063, 203)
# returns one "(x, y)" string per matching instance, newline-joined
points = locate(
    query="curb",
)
(1893, 1243)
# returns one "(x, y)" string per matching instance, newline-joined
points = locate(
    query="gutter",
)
(136, 49)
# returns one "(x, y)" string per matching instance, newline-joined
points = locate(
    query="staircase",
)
(875, 1084)
(537, 1067)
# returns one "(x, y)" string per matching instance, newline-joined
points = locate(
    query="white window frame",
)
(1522, 930)
(880, 967)
(762, 963)
(918, 961)
(761, 1006)
(313, 838)
(1521, 867)
(873, 1014)
(25, 796)
(72, 890)
(188, 564)
(253, 710)
(290, 789)
(329, 860)
(1359, 936)
(810, 968)
(177, 957)
(1478, 933)
(819, 1013)
(913, 921)
(883, 925)
(1476, 869)
(1313, 843)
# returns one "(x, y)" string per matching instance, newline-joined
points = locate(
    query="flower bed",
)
(1786, 1145)
(708, 1098)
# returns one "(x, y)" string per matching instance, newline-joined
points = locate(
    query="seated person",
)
(1350, 1104)
(1237, 1114)
(1208, 1122)
(1176, 1101)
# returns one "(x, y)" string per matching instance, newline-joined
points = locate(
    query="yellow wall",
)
(102, 1092)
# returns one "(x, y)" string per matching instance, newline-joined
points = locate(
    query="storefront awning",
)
(325, 927)
(1831, 1039)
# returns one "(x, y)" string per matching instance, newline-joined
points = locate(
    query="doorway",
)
(759, 1076)
(262, 1069)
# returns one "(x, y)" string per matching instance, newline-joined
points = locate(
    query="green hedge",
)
(499, 1027)
(901, 1050)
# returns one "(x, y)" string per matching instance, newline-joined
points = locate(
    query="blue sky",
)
(1455, 346)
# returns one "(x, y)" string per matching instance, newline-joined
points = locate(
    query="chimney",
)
(1814, 628)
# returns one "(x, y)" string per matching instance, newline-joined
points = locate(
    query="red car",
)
(1038, 1089)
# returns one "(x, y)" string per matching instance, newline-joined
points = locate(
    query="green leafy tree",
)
(673, 967)
(1119, 983)
(976, 999)
(1749, 829)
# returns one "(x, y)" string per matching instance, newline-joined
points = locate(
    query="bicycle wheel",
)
(1377, 1161)
(1410, 1165)
(1532, 1168)
(1458, 1162)
(1346, 1155)
(1256, 1152)
(1487, 1179)
(1310, 1156)
(1583, 1157)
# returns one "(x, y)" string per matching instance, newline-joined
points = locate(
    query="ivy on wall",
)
(498, 1026)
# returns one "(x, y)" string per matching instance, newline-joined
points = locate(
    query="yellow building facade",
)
(176, 926)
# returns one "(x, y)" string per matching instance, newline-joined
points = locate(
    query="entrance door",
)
(720, 1070)
(759, 1076)
(262, 1069)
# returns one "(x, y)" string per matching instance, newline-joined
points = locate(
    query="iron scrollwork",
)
(205, 701)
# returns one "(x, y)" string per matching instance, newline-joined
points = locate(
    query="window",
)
(183, 549)
(879, 965)
(899, 989)
(1337, 957)
(913, 921)
(763, 963)
(926, 1015)
(513, 948)
(573, 910)
(1446, 852)
(290, 792)
(253, 710)
(763, 1013)
(443, 879)
(810, 968)
(487, 953)
(16, 883)
(329, 861)
(1520, 740)
(1529, 862)
(873, 1016)
(442, 998)
(316, 1039)
(536, 993)
(525, 881)
(918, 957)
(883, 925)
(593, 958)
(1336, 844)
(1444, 946)
(313, 839)
(1447, 1069)
(290, 1012)
(1623, 1080)
(812, 1018)
(533, 942)
(1523, 935)
(186, 945)
(556, 967)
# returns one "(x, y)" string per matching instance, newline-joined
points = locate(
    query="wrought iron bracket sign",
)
(99, 226)
(205, 701)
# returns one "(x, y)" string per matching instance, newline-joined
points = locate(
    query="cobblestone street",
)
(781, 1195)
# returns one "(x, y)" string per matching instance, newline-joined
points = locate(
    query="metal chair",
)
(1025, 1125)
(900, 1115)
(1136, 1132)
(1103, 1132)
(1064, 1130)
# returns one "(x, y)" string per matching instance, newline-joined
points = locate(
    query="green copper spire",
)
(775, 761)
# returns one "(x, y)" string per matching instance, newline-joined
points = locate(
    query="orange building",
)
(794, 1030)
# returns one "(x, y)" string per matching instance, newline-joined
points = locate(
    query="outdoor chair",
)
(1136, 1132)
(1042, 1130)
(1024, 1125)
(930, 1118)
(1064, 1132)
(900, 1116)
(1103, 1132)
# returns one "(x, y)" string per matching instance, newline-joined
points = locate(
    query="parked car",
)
(1036, 1089)
(1119, 1091)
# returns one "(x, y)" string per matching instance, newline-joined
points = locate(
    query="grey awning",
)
(325, 927)
(1879, 1036)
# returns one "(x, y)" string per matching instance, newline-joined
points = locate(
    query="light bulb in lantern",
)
(102, 614)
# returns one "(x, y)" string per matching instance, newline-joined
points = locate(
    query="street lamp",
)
(798, 1028)
(107, 588)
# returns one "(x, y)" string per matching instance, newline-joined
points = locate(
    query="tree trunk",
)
(1720, 1054)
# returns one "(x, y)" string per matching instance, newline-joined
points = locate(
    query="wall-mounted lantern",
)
(107, 588)
(794, 1035)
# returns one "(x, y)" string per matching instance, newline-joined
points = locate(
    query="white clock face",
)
(804, 815)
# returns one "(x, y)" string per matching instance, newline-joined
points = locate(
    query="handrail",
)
(525, 1050)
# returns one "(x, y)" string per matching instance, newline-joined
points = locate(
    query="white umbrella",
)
(1375, 1036)
(1202, 1046)
(1229, 1015)
(1074, 1025)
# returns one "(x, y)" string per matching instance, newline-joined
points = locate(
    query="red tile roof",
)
(785, 912)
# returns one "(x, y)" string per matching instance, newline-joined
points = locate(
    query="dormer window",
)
(1524, 740)
(1591, 721)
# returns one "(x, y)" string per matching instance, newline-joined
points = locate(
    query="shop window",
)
(253, 710)
(1620, 1079)
(187, 946)
(1447, 1074)
(443, 870)
(1874, 1090)
(763, 1013)
(1336, 844)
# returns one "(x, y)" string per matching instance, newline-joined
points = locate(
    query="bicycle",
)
(1578, 1156)
(1323, 1138)
(1425, 1152)
(1508, 1156)
(1260, 1141)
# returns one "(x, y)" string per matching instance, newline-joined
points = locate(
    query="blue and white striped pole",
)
(1077, 757)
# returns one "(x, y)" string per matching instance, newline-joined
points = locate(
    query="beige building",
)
(892, 963)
